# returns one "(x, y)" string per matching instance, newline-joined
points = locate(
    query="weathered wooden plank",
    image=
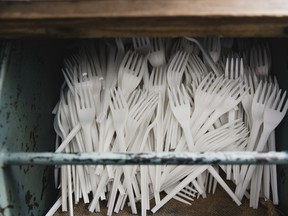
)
(143, 8)
(119, 27)
(109, 18)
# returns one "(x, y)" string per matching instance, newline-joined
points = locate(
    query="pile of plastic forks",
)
(158, 95)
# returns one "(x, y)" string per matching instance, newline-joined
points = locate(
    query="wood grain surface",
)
(110, 18)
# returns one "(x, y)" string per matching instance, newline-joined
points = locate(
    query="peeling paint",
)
(30, 201)
(2, 209)
(171, 158)
(45, 181)
(7, 116)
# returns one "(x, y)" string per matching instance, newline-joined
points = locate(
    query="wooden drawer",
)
(114, 18)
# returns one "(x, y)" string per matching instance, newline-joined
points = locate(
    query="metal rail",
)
(169, 158)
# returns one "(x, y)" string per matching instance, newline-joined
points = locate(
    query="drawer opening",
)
(29, 92)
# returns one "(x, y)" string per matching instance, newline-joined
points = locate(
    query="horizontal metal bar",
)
(170, 158)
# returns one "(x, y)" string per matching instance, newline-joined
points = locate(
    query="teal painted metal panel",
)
(279, 49)
(30, 90)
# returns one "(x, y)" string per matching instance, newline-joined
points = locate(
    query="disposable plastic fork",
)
(157, 56)
(260, 99)
(157, 81)
(176, 68)
(189, 46)
(234, 68)
(180, 106)
(132, 69)
(215, 140)
(211, 92)
(230, 96)
(185, 195)
(119, 111)
(157, 84)
(139, 113)
(110, 79)
(199, 170)
(274, 112)
(85, 109)
(195, 70)
(141, 45)
(213, 46)
(259, 60)
(248, 98)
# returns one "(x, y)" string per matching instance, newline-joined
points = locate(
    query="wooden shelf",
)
(113, 18)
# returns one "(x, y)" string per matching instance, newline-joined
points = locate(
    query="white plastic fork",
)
(141, 45)
(138, 113)
(110, 79)
(94, 82)
(157, 81)
(260, 99)
(206, 56)
(180, 106)
(85, 109)
(119, 111)
(259, 60)
(175, 71)
(189, 46)
(176, 68)
(79, 146)
(274, 112)
(157, 56)
(173, 46)
(215, 140)
(135, 97)
(235, 135)
(63, 129)
(213, 46)
(231, 95)
(195, 70)
(185, 195)
(131, 71)
(234, 68)
(198, 171)
(157, 84)
(209, 96)
(248, 98)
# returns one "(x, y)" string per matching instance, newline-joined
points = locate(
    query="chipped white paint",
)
(4, 57)
(20, 158)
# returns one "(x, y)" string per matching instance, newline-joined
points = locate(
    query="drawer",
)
(31, 82)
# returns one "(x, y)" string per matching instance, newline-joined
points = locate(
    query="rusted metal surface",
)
(173, 158)
(28, 95)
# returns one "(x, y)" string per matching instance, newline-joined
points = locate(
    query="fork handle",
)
(126, 170)
(180, 186)
(104, 107)
(261, 144)
(70, 136)
(273, 171)
(87, 138)
(207, 57)
(189, 138)
(224, 185)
